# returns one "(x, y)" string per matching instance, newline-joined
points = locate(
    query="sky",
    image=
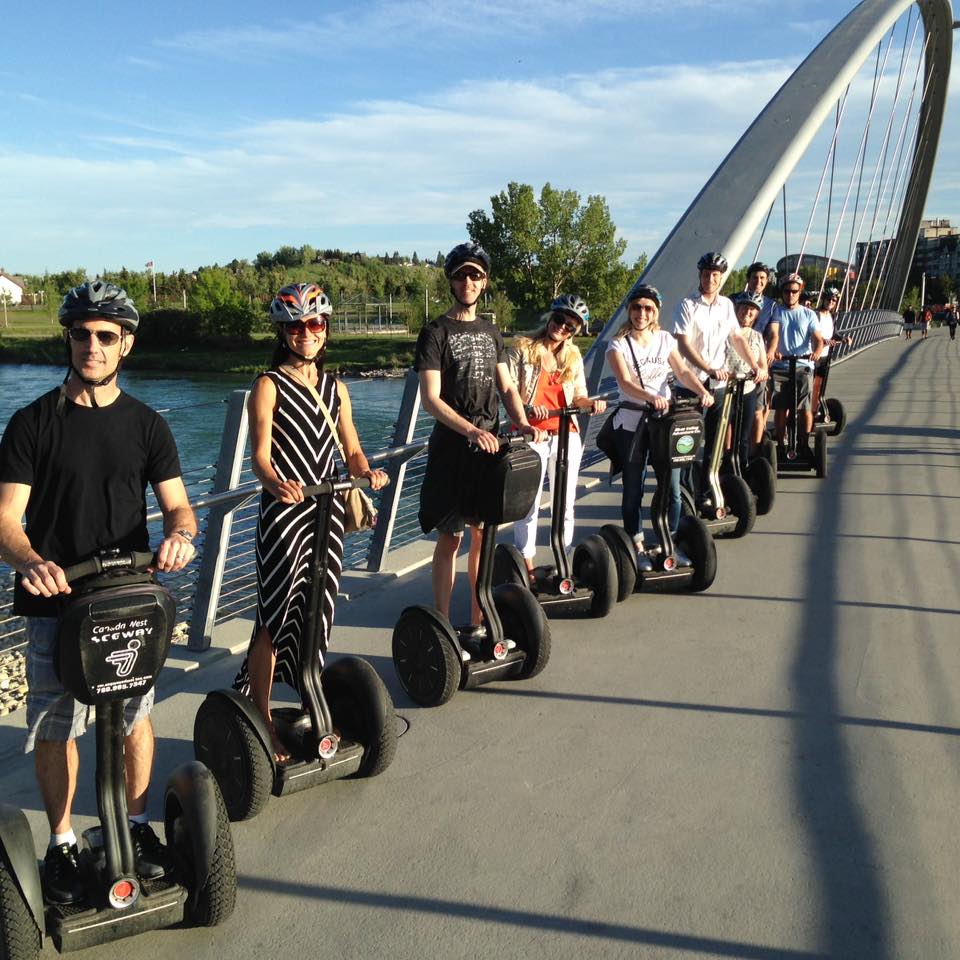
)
(190, 134)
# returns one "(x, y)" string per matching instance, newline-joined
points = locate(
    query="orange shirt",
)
(549, 393)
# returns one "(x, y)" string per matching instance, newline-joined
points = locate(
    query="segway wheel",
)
(362, 711)
(624, 558)
(594, 567)
(524, 622)
(768, 450)
(225, 742)
(425, 659)
(762, 480)
(19, 935)
(508, 566)
(695, 541)
(738, 497)
(820, 454)
(838, 416)
(212, 898)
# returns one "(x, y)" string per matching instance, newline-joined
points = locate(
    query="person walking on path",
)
(299, 416)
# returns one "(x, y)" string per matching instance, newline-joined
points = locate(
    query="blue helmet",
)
(750, 298)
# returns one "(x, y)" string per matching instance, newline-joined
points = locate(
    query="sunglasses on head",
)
(474, 275)
(106, 338)
(568, 326)
(314, 325)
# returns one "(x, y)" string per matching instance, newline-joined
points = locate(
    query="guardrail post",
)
(396, 470)
(216, 539)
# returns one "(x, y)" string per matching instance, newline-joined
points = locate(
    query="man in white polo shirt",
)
(704, 323)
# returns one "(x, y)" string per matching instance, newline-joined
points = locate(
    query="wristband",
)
(186, 534)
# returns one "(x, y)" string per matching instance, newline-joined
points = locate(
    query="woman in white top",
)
(642, 356)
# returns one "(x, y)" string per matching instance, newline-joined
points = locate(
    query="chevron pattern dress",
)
(302, 448)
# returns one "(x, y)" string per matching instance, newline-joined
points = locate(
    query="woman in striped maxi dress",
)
(292, 447)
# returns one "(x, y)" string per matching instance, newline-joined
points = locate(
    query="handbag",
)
(605, 440)
(359, 511)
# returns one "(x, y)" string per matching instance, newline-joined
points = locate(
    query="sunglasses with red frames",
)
(315, 325)
(106, 338)
(464, 275)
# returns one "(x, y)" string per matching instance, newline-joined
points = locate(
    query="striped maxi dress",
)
(302, 448)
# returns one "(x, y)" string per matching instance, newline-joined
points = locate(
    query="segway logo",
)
(124, 659)
(685, 444)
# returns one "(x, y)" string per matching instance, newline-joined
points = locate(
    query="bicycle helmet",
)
(645, 292)
(464, 253)
(750, 298)
(97, 298)
(792, 278)
(831, 293)
(713, 261)
(300, 301)
(758, 266)
(572, 305)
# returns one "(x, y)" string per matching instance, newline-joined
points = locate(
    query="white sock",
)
(139, 817)
(59, 839)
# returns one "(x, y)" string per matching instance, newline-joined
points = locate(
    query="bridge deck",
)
(770, 769)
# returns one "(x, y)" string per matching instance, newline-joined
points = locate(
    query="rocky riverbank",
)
(13, 682)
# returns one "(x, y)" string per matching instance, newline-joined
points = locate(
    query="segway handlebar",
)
(138, 560)
(335, 486)
(571, 410)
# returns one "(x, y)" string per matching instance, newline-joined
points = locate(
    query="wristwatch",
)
(186, 534)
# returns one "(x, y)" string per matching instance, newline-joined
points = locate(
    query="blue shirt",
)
(760, 324)
(796, 332)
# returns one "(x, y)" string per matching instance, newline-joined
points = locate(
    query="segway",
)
(431, 658)
(830, 412)
(758, 472)
(675, 438)
(343, 727)
(589, 585)
(728, 507)
(113, 638)
(799, 458)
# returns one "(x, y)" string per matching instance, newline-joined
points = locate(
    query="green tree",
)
(552, 244)
(222, 308)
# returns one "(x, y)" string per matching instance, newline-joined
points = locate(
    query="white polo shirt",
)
(708, 326)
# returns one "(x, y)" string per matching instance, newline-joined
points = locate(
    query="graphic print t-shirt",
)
(466, 352)
(654, 364)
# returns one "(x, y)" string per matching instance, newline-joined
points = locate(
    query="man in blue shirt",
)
(795, 331)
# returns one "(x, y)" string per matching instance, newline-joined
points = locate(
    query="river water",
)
(195, 404)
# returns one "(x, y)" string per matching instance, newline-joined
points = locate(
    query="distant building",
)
(937, 250)
(788, 264)
(11, 288)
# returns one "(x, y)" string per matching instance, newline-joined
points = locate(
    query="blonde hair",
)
(567, 356)
(627, 326)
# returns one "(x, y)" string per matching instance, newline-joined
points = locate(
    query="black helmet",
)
(97, 298)
(758, 266)
(645, 292)
(713, 261)
(831, 293)
(463, 253)
(750, 298)
(573, 305)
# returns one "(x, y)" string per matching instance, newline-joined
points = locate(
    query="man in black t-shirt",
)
(76, 463)
(461, 362)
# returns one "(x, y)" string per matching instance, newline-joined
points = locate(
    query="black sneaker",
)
(61, 874)
(153, 858)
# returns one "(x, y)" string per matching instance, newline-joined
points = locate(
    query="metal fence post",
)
(396, 470)
(216, 540)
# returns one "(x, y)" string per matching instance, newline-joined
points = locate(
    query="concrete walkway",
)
(767, 770)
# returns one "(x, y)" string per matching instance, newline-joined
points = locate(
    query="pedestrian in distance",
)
(76, 463)
(461, 362)
(299, 416)
(952, 321)
(548, 371)
(909, 319)
(641, 357)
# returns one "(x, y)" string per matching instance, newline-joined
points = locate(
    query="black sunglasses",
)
(474, 275)
(106, 338)
(567, 325)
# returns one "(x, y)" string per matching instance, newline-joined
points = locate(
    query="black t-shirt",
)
(466, 352)
(87, 469)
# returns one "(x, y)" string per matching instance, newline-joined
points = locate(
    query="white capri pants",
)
(525, 530)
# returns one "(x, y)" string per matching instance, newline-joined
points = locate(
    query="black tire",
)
(225, 742)
(19, 935)
(695, 541)
(762, 480)
(624, 558)
(425, 660)
(820, 454)
(508, 566)
(688, 503)
(838, 416)
(593, 566)
(362, 711)
(214, 901)
(738, 498)
(525, 622)
(768, 450)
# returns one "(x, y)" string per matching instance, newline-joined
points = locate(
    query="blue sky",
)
(196, 133)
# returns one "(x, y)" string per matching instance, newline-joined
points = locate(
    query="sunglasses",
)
(464, 275)
(566, 325)
(315, 325)
(106, 338)
(793, 291)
